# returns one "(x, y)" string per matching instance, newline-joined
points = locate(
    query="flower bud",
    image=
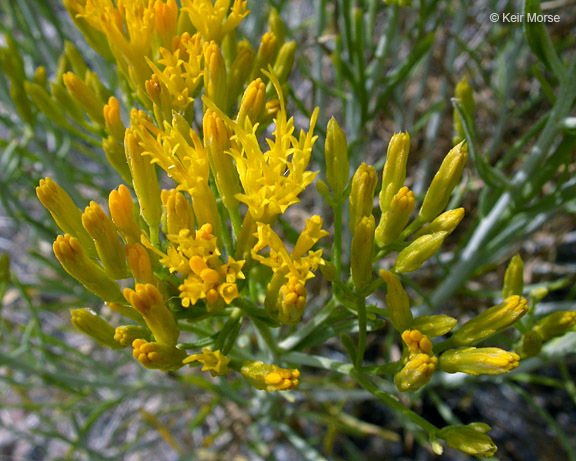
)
(491, 321)
(394, 172)
(65, 213)
(216, 142)
(67, 102)
(108, 245)
(214, 362)
(215, 84)
(166, 18)
(395, 219)
(139, 264)
(158, 356)
(125, 335)
(418, 252)
(121, 211)
(240, 69)
(309, 237)
(444, 182)
(266, 55)
(446, 222)
(178, 212)
(531, 344)
(471, 439)
(46, 104)
(464, 93)
(336, 156)
(74, 260)
(292, 301)
(85, 97)
(253, 103)
(362, 194)
(397, 302)
(276, 25)
(434, 325)
(116, 156)
(148, 302)
(270, 378)
(479, 361)
(75, 58)
(285, 61)
(361, 253)
(416, 373)
(40, 77)
(417, 343)
(514, 278)
(144, 180)
(87, 322)
(555, 324)
(112, 120)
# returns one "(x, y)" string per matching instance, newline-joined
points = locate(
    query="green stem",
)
(392, 401)
(337, 246)
(361, 303)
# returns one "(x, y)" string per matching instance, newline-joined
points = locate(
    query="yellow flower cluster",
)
(186, 247)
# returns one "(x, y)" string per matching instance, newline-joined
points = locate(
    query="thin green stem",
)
(337, 246)
(361, 304)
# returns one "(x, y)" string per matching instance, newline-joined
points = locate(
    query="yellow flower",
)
(417, 343)
(270, 378)
(213, 20)
(125, 335)
(271, 180)
(214, 362)
(397, 302)
(416, 373)
(479, 361)
(158, 356)
(120, 205)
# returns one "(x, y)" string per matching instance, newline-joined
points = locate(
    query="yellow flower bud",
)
(125, 335)
(205, 206)
(395, 219)
(394, 172)
(270, 378)
(397, 302)
(108, 245)
(215, 84)
(285, 61)
(417, 343)
(65, 213)
(74, 260)
(361, 253)
(144, 180)
(166, 18)
(112, 120)
(177, 211)
(116, 156)
(418, 252)
(446, 222)
(443, 183)
(464, 93)
(336, 156)
(148, 302)
(85, 97)
(214, 362)
(362, 194)
(292, 301)
(491, 321)
(471, 439)
(139, 264)
(434, 325)
(240, 69)
(121, 211)
(265, 56)
(67, 102)
(416, 373)
(479, 361)
(158, 356)
(89, 323)
(555, 324)
(253, 103)
(216, 142)
(514, 278)
(329, 271)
